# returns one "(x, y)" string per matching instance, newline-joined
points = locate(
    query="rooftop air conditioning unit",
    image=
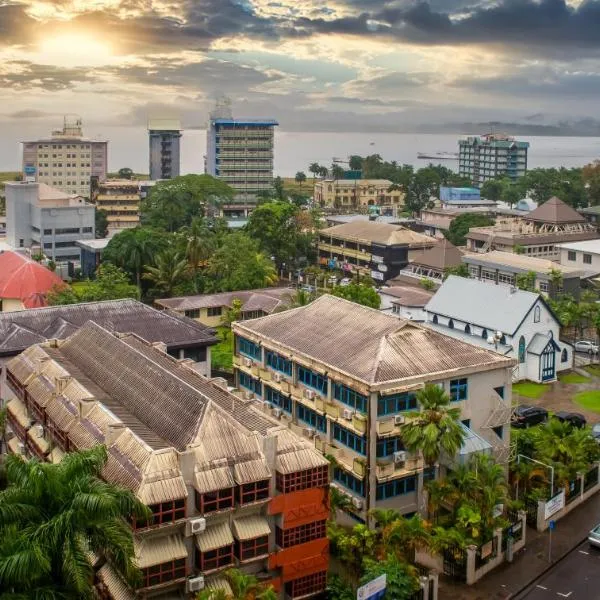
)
(195, 584)
(348, 414)
(357, 503)
(400, 457)
(309, 394)
(310, 432)
(399, 420)
(277, 412)
(266, 404)
(277, 378)
(248, 395)
(248, 362)
(194, 526)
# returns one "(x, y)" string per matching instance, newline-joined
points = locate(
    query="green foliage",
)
(518, 249)
(125, 173)
(426, 284)
(101, 223)
(591, 178)
(526, 281)
(278, 188)
(221, 355)
(401, 579)
(567, 184)
(492, 190)
(243, 586)
(338, 589)
(460, 226)
(530, 389)
(233, 313)
(52, 516)
(337, 172)
(590, 400)
(359, 293)
(170, 267)
(572, 377)
(300, 177)
(461, 270)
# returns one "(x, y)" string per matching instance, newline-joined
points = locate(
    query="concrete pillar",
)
(433, 576)
(471, 558)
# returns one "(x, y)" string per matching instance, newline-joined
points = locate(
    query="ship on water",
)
(437, 156)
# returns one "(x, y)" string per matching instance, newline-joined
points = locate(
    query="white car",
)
(594, 537)
(586, 346)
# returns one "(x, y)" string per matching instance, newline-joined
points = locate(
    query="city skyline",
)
(351, 65)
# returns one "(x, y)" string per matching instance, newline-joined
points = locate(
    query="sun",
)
(75, 50)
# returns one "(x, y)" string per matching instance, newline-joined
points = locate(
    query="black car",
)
(526, 415)
(575, 419)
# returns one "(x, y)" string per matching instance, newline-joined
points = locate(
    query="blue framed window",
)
(351, 440)
(312, 380)
(458, 389)
(312, 418)
(387, 446)
(279, 363)
(248, 348)
(349, 481)
(248, 382)
(278, 399)
(350, 397)
(397, 487)
(389, 405)
(429, 474)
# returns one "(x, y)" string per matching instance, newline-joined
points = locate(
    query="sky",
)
(315, 65)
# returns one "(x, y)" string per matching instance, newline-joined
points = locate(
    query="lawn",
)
(589, 400)
(529, 389)
(572, 377)
(221, 355)
(593, 370)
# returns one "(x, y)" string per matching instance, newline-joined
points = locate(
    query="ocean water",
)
(294, 151)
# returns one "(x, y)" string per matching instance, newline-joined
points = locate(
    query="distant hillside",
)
(582, 128)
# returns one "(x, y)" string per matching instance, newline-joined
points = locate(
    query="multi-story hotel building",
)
(164, 136)
(120, 200)
(344, 376)
(227, 484)
(347, 193)
(491, 156)
(66, 160)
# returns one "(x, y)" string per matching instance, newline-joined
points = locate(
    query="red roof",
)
(25, 279)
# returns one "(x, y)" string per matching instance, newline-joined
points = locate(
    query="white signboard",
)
(382, 268)
(377, 259)
(373, 588)
(377, 275)
(554, 505)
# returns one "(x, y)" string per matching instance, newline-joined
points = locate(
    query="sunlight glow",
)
(75, 50)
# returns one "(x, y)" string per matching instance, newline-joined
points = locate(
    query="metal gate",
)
(455, 563)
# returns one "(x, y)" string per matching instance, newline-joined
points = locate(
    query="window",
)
(484, 334)
(248, 382)
(47, 245)
(215, 559)
(467, 328)
(397, 487)
(500, 391)
(247, 549)
(278, 399)
(308, 585)
(249, 348)
(302, 480)
(87, 230)
(451, 324)
(68, 230)
(253, 492)
(499, 431)
(312, 379)
(428, 475)
(279, 363)
(349, 481)
(351, 440)
(571, 255)
(350, 397)
(587, 259)
(214, 311)
(389, 405)
(314, 419)
(536, 314)
(506, 278)
(522, 349)
(564, 357)
(164, 572)
(166, 512)
(213, 501)
(387, 446)
(543, 286)
(458, 389)
(435, 319)
(285, 538)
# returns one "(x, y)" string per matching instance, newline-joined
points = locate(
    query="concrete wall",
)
(578, 262)
(20, 197)
(11, 304)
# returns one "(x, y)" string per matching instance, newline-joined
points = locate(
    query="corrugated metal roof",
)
(521, 263)
(213, 479)
(13, 445)
(18, 411)
(62, 413)
(56, 455)
(443, 255)
(379, 233)
(162, 490)
(299, 460)
(538, 343)
(250, 471)
(218, 583)
(33, 435)
(473, 442)
(41, 390)
(213, 537)
(249, 528)
(114, 584)
(151, 551)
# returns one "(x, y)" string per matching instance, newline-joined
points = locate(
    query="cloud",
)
(21, 75)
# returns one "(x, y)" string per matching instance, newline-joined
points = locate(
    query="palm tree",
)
(200, 245)
(435, 429)
(247, 587)
(53, 516)
(168, 271)
(407, 536)
(315, 169)
(338, 501)
(300, 178)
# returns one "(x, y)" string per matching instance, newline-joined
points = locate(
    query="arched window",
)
(451, 324)
(434, 320)
(564, 357)
(503, 340)
(467, 328)
(484, 334)
(522, 350)
(536, 314)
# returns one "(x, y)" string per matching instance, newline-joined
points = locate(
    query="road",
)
(576, 577)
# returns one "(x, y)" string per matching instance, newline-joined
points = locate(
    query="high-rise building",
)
(66, 160)
(240, 152)
(164, 137)
(490, 156)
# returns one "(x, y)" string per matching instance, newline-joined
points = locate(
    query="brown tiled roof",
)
(379, 233)
(444, 254)
(366, 344)
(555, 211)
(408, 295)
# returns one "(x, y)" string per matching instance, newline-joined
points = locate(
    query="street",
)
(576, 577)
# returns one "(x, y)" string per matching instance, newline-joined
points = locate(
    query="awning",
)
(18, 411)
(14, 445)
(216, 536)
(39, 440)
(159, 550)
(539, 342)
(56, 455)
(299, 460)
(218, 583)
(214, 479)
(251, 471)
(249, 528)
(163, 490)
(114, 584)
(472, 444)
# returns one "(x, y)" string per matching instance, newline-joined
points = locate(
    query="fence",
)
(455, 563)
(428, 589)
(486, 552)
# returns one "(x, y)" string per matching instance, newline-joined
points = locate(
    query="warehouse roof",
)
(379, 233)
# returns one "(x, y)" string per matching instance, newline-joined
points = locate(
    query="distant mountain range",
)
(580, 128)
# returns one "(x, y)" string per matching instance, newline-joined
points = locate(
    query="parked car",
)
(596, 432)
(526, 415)
(586, 346)
(594, 537)
(345, 281)
(575, 419)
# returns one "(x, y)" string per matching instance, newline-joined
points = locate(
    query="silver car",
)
(594, 537)
(586, 346)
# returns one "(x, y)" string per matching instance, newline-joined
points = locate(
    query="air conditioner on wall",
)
(248, 395)
(400, 457)
(309, 394)
(194, 526)
(357, 503)
(399, 420)
(277, 412)
(195, 584)
(248, 362)
(348, 414)
(277, 377)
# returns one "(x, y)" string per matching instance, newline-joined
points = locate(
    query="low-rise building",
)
(581, 255)
(227, 485)
(210, 309)
(376, 250)
(535, 234)
(405, 301)
(514, 323)
(504, 267)
(347, 193)
(120, 200)
(47, 219)
(90, 256)
(344, 376)
(591, 214)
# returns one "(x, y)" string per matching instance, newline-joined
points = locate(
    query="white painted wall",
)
(578, 262)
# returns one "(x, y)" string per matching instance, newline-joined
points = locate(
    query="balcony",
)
(387, 468)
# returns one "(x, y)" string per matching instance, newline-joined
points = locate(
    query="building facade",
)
(350, 193)
(66, 160)
(228, 486)
(491, 156)
(164, 136)
(38, 216)
(405, 301)
(120, 200)
(581, 255)
(344, 376)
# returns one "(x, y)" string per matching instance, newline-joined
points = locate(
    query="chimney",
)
(187, 465)
(85, 406)
(269, 449)
(60, 383)
(112, 432)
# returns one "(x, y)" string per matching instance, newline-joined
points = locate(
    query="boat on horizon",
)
(438, 156)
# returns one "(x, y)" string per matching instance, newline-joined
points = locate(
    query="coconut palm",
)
(53, 516)
(406, 536)
(435, 429)
(247, 587)
(338, 501)
(170, 268)
(200, 245)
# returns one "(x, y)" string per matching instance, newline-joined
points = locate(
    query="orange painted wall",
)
(299, 508)
(301, 560)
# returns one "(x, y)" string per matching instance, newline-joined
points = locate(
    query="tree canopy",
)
(359, 293)
(101, 223)
(460, 226)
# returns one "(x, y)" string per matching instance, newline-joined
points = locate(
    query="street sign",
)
(554, 505)
(552, 525)
(373, 590)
